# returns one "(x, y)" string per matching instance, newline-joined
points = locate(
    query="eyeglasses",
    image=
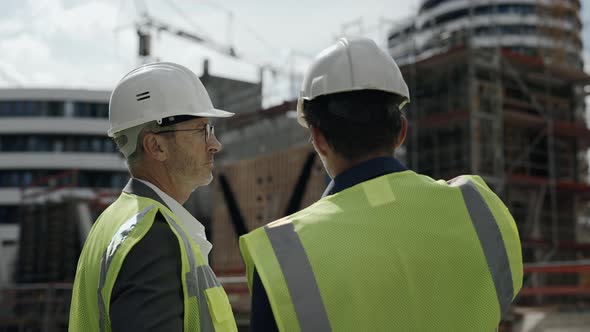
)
(208, 129)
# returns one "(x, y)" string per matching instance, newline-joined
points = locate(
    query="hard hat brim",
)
(215, 113)
(210, 113)
(300, 117)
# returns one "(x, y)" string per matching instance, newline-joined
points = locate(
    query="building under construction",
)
(513, 119)
(491, 95)
(517, 122)
(498, 90)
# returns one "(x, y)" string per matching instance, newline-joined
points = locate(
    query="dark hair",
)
(356, 123)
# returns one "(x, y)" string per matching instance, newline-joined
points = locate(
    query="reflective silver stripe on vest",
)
(303, 288)
(491, 241)
(118, 239)
(198, 279)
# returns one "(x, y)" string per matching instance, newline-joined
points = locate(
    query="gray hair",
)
(130, 142)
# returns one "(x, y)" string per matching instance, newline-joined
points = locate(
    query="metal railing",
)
(45, 307)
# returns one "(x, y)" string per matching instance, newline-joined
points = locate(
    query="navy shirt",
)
(262, 318)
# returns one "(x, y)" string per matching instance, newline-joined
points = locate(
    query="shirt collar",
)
(193, 227)
(362, 172)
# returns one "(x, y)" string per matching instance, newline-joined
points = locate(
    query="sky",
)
(92, 44)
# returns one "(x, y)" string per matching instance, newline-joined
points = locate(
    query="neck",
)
(339, 164)
(167, 184)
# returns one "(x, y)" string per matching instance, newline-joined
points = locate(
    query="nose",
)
(213, 145)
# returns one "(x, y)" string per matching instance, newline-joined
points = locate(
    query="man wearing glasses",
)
(144, 265)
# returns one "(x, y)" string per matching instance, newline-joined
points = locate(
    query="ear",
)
(402, 133)
(319, 141)
(155, 146)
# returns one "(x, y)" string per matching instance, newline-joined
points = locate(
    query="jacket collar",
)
(364, 171)
(140, 189)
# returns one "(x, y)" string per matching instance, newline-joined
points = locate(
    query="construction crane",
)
(148, 23)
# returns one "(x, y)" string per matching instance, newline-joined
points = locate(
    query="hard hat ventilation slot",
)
(143, 95)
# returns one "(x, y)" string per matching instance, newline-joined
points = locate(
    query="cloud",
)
(57, 45)
(11, 75)
(25, 48)
(91, 20)
(11, 26)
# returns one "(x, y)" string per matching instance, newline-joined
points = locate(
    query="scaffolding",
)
(521, 127)
(55, 218)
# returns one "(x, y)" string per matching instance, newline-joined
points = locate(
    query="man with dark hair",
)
(376, 126)
(385, 249)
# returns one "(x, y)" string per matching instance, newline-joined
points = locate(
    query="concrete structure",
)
(51, 138)
(497, 90)
(549, 29)
(45, 132)
(9, 235)
(230, 94)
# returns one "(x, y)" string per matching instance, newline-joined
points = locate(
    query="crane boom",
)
(148, 23)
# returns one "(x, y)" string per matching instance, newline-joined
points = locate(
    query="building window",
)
(5, 108)
(91, 110)
(83, 145)
(96, 145)
(81, 110)
(109, 146)
(103, 111)
(8, 215)
(55, 108)
(19, 108)
(53, 143)
(41, 178)
(27, 178)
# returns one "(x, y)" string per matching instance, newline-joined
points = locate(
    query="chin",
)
(201, 181)
(205, 180)
(209, 180)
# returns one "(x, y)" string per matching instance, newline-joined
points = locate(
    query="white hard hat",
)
(158, 91)
(349, 65)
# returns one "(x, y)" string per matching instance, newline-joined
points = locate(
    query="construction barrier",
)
(579, 268)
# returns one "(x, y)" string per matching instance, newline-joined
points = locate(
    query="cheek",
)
(182, 158)
(197, 156)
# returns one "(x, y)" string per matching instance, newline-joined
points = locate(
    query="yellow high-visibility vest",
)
(120, 227)
(401, 252)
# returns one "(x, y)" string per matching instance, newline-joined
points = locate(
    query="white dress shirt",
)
(193, 227)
